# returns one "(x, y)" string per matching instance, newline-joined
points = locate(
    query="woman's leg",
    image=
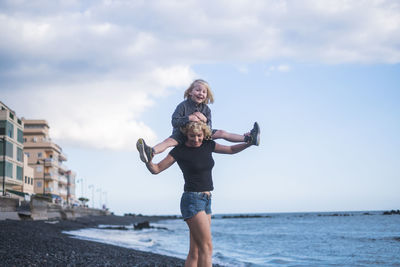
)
(200, 240)
(193, 256)
(169, 142)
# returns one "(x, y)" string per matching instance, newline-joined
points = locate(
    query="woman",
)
(194, 158)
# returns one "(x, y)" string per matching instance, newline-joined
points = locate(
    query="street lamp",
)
(99, 190)
(105, 200)
(38, 162)
(81, 182)
(92, 186)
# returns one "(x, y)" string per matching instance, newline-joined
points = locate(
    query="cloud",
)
(278, 68)
(103, 114)
(93, 61)
(118, 34)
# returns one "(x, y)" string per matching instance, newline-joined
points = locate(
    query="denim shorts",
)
(194, 202)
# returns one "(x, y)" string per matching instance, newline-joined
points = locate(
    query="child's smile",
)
(198, 93)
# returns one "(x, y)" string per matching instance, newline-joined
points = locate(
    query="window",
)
(9, 149)
(39, 184)
(19, 122)
(27, 154)
(9, 169)
(20, 137)
(2, 169)
(20, 156)
(1, 147)
(31, 181)
(10, 129)
(39, 169)
(19, 173)
(11, 116)
(40, 154)
(26, 179)
(2, 127)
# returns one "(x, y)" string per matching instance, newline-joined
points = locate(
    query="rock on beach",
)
(42, 243)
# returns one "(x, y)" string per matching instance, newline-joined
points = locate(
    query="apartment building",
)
(11, 150)
(28, 178)
(47, 159)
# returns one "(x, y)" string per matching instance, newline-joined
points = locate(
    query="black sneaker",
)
(145, 152)
(255, 135)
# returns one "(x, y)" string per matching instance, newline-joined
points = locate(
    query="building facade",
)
(28, 179)
(47, 159)
(11, 150)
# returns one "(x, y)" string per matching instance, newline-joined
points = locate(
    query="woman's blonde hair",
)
(210, 96)
(196, 127)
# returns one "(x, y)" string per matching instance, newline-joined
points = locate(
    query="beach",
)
(42, 243)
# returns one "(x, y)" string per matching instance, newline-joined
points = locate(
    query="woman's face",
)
(194, 139)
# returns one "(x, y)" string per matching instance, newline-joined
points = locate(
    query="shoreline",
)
(42, 243)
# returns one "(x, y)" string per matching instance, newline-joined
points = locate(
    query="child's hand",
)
(193, 117)
(200, 116)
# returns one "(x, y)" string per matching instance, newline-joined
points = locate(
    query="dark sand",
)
(39, 243)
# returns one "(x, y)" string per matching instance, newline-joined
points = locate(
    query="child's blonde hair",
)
(196, 127)
(210, 96)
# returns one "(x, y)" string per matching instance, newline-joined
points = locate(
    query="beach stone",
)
(142, 225)
(37, 243)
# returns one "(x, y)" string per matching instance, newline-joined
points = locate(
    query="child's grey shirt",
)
(181, 114)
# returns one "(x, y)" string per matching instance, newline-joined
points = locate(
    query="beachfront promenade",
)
(39, 208)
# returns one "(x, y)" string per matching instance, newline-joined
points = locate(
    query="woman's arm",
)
(161, 166)
(230, 149)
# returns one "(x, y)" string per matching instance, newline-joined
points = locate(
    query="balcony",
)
(63, 180)
(49, 162)
(62, 192)
(62, 156)
(11, 181)
(62, 167)
(48, 190)
(35, 131)
(43, 145)
(51, 176)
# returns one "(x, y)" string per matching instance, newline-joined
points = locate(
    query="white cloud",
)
(103, 114)
(85, 56)
(111, 33)
(278, 68)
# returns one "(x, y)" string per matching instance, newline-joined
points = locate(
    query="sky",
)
(322, 79)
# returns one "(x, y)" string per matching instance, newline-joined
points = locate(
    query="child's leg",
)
(231, 137)
(169, 142)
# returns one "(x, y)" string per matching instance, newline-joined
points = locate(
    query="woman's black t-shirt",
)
(196, 164)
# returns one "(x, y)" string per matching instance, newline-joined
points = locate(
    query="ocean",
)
(274, 239)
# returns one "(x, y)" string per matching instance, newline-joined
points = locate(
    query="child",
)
(194, 108)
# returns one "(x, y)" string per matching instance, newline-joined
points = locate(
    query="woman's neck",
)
(188, 144)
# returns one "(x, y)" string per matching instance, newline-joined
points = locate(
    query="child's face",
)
(198, 93)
